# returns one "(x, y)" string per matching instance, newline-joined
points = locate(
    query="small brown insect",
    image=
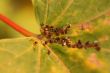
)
(51, 40)
(64, 43)
(96, 45)
(62, 31)
(79, 44)
(67, 28)
(87, 45)
(57, 39)
(98, 48)
(45, 43)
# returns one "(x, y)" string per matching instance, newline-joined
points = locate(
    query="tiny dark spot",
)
(35, 43)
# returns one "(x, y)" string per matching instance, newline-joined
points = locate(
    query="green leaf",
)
(90, 22)
(23, 55)
(62, 12)
(17, 55)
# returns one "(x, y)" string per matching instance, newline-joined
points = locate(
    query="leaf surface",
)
(62, 12)
(21, 55)
(90, 20)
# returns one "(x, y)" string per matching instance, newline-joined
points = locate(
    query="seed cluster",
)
(52, 35)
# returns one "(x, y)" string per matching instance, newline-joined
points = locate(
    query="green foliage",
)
(54, 12)
(90, 20)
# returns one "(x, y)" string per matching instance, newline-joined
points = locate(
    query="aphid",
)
(46, 32)
(63, 42)
(96, 45)
(45, 43)
(67, 27)
(87, 45)
(98, 48)
(56, 31)
(62, 31)
(51, 40)
(79, 44)
(68, 41)
(57, 39)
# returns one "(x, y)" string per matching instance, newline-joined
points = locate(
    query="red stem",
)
(15, 26)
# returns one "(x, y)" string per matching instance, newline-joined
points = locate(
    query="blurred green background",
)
(22, 13)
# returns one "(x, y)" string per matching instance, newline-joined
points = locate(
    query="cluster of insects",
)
(49, 31)
(52, 35)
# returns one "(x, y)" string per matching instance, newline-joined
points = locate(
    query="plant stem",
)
(15, 26)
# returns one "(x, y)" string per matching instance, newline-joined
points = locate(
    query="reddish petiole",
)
(15, 26)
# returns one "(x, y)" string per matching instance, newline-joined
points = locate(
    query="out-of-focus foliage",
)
(22, 13)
